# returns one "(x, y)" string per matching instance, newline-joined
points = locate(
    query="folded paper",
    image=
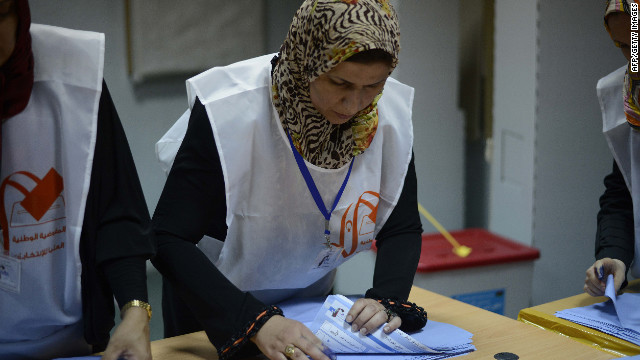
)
(619, 316)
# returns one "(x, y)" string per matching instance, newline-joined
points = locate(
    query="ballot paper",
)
(326, 319)
(619, 316)
(435, 341)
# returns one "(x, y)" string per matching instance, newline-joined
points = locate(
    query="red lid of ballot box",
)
(486, 249)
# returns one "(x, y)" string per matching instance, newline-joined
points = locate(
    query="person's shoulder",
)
(397, 92)
(613, 79)
(51, 30)
(397, 85)
(224, 81)
(70, 56)
(249, 64)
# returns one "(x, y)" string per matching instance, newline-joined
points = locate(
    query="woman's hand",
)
(279, 333)
(366, 315)
(130, 340)
(596, 287)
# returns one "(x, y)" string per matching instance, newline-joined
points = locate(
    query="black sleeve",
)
(615, 235)
(192, 205)
(116, 210)
(399, 243)
(116, 231)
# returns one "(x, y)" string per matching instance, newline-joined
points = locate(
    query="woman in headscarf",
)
(618, 231)
(291, 165)
(74, 222)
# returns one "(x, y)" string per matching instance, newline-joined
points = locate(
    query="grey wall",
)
(429, 63)
(512, 160)
(572, 157)
(548, 176)
(476, 51)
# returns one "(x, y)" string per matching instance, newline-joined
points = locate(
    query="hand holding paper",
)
(367, 314)
(594, 283)
(619, 316)
(279, 332)
(331, 327)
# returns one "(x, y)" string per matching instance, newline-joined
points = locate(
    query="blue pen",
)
(600, 273)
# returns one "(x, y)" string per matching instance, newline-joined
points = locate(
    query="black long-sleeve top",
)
(615, 234)
(193, 204)
(116, 233)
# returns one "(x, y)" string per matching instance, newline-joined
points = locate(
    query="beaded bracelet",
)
(413, 316)
(136, 303)
(247, 332)
(404, 307)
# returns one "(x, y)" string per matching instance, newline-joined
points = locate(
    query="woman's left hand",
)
(366, 315)
(130, 340)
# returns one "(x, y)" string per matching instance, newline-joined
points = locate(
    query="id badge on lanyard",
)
(10, 273)
(327, 258)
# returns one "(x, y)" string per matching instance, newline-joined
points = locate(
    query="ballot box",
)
(496, 275)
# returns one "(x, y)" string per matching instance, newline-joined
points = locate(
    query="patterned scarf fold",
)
(324, 33)
(631, 89)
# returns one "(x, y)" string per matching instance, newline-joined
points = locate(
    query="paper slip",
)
(450, 340)
(331, 327)
(619, 316)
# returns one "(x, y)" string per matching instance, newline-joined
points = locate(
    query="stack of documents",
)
(326, 319)
(619, 316)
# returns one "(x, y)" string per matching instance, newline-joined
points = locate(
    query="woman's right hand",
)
(279, 332)
(595, 286)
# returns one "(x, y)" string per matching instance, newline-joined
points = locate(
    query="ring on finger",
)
(289, 351)
(390, 314)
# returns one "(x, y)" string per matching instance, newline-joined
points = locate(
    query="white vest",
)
(624, 143)
(275, 230)
(47, 156)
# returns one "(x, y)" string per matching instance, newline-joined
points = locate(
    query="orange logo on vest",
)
(358, 223)
(42, 203)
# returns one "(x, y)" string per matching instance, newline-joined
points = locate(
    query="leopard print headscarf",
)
(631, 89)
(324, 33)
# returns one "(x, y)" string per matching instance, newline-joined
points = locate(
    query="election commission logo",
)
(358, 224)
(32, 213)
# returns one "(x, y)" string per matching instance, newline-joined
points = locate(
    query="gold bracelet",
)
(136, 303)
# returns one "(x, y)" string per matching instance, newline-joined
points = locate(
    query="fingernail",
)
(349, 318)
(354, 327)
(387, 329)
(363, 331)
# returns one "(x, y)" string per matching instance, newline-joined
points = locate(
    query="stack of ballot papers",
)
(326, 319)
(619, 316)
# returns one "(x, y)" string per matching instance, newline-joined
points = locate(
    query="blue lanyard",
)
(311, 185)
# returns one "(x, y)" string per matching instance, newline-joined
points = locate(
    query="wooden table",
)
(542, 316)
(492, 334)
